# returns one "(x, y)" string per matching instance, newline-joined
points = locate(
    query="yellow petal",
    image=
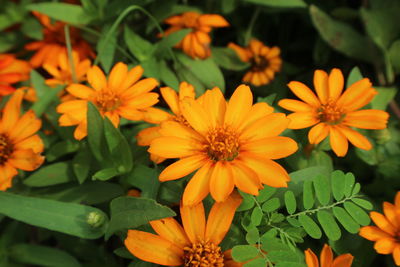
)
(336, 84)
(198, 187)
(321, 85)
(171, 230)
(318, 133)
(338, 142)
(304, 93)
(194, 222)
(300, 120)
(272, 148)
(182, 167)
(221, 181)
(238, 106)
(355, 138)
(96, 78)
(295, 105)
(117, 75)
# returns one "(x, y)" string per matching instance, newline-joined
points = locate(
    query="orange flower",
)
(62, 71)
(264, 60)
(157, 116)
(334, 113)
(386, 233)
(123, 95)
(230, 143)
(20, 147)
(197, 43)
(326, 258)
(12, 70)
(53, 43)
(196, 243)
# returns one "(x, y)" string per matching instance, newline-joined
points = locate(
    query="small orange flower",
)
(386, 233)
(123, 95)
(157, 116)
(53, 43)
(264, 60)
(20, 147)
(326, 258)
(229, 144)
(197, 43)
(334, 113)
(196, 243)
(62, 71)
(12, 70)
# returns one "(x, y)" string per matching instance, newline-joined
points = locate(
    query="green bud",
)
(95, 219)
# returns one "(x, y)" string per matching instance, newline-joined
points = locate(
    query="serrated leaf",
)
(357, 213)
(271, 205)
(243, 253)
(322, 189)
(310, 226)
(346, 220)
(308, 195)
(338, 184)
(290, 202)
(53, 174)
(363, 203)
(349, 181)
(329, 225)
(265, 194)
(70, 13)
(256, 216)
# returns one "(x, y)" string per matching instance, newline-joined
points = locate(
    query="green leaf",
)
(354, 76)
(356, 189)
(105, 174)
(95, 129)
(294, 222)
(132, 212)
(338, 184)
(342, 37)
(290, 202)
(256, 263)
(168, 76)
(60, 149)
(247, 203)
(252, 236)
(265, 193)
(139, 47)
(228, 59)
(308, 195)
(346, 220)
(68, 218)
(383, 98)
(322, 189)
(146, 179)
(358, 214)
(243, 253)
(271, 205)
(81, 164)
(57, 173)
(106, 47)
(151, 68)
(394, 55)
(185, 74)
(42, 255)
(329, 225)
(349, 181)
(256, 216)
(363, 203)
(279, 3)
(70, 13)
(167, 42)
(310, 226)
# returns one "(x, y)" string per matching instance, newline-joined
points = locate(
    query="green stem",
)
(249, 30)
(69, 51)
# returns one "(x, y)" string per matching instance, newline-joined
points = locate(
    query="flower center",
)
(259, 63)
(107, 101)
(203, 254)
(6, 148)
(330, 113)
(223, 144)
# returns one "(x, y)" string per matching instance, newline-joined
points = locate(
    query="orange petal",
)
(344, 260)
(373, 233)
(221, 181)
(195, 114)
(268, 126)
(81, 131)
(26, 160)
(382, 222)
(355, 91)
(385, 245)
(171, 97)
(257, 111)
(311, 258)
(295, 105)
(152, 248)
(171, 230)
(304, 93)
(117, 75)
(7, 172)
(198, 187)
(173, 147)
(397, 200)
(355, 138)
(318, 133)
(300, 120)
(396, 254)
(272, 148)
(215, 104)
(146, 136)
(186, 90)
(213, 20)
(336, 84)
(245, 178)
(243, 53)
(238, 106)
(321, 85)
(80, 91)
(338, 142)
(155, 115)
(326, 256)
(182, 167)
(172, 128)
(33, 142)
(194, 222)
(132, 77)
(96, 78)
(367, 119)
(140, 88)
(27, 125)
(11, 111)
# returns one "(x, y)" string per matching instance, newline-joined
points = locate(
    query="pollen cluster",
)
(203, 254)
(6, 148)
(330, 113)
(107, 101)
(222, 144)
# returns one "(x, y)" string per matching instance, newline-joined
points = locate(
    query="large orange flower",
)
(334, 113)
(264, 60)
(53, 43)
(386, 233)
(20, 147)
(12, 70)
(123, 95)
(230, 143)
(194, 244)
(326, 258)
(157, 116)
(197, 43)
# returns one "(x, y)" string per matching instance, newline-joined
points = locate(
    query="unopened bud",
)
(95, 219)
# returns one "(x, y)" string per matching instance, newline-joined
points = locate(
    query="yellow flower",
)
(12, 70)
(387, 229)
(195, 243)
(123, 95)
(197, 43)
(230, 144)
(334, 113)
(264, 60)
(20, 147)
(326, 258)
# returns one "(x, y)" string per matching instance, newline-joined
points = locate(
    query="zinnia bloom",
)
(123, 95)
(12, 70)
(386, 232)
(326, 258)
(157, 116)
(264, 61)
(53, 43)
(195, 243)
(197, 43)
(334, 113)
(230, 143)
(20, 147)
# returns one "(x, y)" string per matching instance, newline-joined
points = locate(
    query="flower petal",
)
(199, 186)
(355, 138)
(344, 260)
(295, 105)
(326, 256)
(195, 114)
(182, 167)
(321, 85)
(117, 76)
(396, 254)
(194, 222)
(373, 233)
(171, 230)
(318, 133)
(367, 119)
(80, 90)
(383, 223)
(245, 178)
(338, 142)
(336, 84)
(96, 78)
(221, 181)
(273, 147)
(311, 258)
(385, 245)
(26, 160)
(304, 93)
(300, 120)
(173, 147)
(238, 106)
(171, 97)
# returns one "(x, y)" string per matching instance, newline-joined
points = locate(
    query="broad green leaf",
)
(132, 212)
(95, 129)
(342, 37)
(70, 13)
(256, 216)
(32, 28)
(8, 40)
(81, 164)
(320, 158)
(57, 173)
(349, 181)
(139, 47)
(243, 253)
(322, 189)
(228, 59)
(106, 46)
(168, 76)
(289, 264)
(383, 98)
(185, 74)
(279, 3)
(308, 195)
(394, 55)
(368, 156)
(60, 149)
(358, 214)
(252, 236)
(354, 76)
(151, 68)
(287, 256)
(256, 263)
(265, 193)
(271, 205)
(338, 184)
(41, 255)
(247, 203)
(106, 174)
(290, 202)
(68, 218)
(346, 220)
(363, 203)
(146, 179)
(310, 226)
(167, 42)
(329, 225)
